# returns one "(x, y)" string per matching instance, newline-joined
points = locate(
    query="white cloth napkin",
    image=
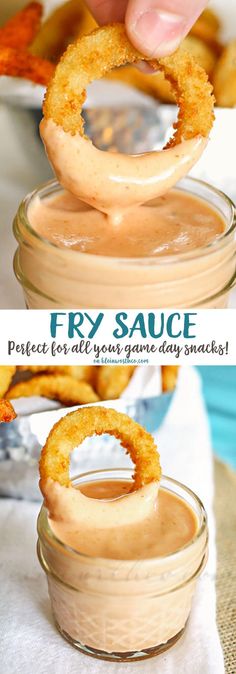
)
(30, 642)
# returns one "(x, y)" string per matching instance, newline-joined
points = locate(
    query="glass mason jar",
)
(122, 610)
(52, 277)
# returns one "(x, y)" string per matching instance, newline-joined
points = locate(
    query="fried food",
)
(60, 387)
(72, 429)
(80, 372)
(169, 376)
(19, 31)
(207, 28)
(210, 19)
(29, 50)
(6, 375)
(15, 38)
(106, 382)
(16, 63)
(61, 28)
(87, 23)
(201, 52)
(156, 84)
(225, 77)
(153, 85)
(96, 54)
(111, 380)
(7, 412)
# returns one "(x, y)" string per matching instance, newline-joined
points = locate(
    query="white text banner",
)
(148, 337)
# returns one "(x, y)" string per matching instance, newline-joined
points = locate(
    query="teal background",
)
(219, 390)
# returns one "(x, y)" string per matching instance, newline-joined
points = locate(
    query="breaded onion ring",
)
(80, 372)
(111, 380)
(67, 390)
(19, 31)
(6, 375)
(207, 28)
(201, 52)
(94, 55)
(7, 413)
(60, 28)
(156, 84)
(72, 429)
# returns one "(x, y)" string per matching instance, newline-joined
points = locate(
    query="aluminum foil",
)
(140, 128)
(21, 442)
(130, 129)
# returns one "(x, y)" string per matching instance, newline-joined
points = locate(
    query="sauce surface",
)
(174, 223)
(112, 182)
(168, 525)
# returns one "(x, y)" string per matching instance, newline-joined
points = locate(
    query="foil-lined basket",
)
(130, 128)
(140, 128)
(21, 442)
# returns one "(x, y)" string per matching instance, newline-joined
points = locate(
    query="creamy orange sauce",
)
(175, 222)
(134, 598)
(115, 183)
(163, 525)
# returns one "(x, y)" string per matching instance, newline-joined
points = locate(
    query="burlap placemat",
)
(225, 511)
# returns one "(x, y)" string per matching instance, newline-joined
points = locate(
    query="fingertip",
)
(154, 32)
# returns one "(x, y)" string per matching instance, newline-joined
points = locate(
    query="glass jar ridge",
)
(52, 277)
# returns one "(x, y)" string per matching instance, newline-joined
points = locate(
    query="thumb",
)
(156, 27)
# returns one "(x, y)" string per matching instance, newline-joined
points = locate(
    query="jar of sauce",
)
(129, 599)
(178, 250)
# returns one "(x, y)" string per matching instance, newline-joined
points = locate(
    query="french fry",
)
(169, 375)
(6, 375)
(19, 31)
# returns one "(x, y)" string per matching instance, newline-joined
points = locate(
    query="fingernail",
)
(157, 33)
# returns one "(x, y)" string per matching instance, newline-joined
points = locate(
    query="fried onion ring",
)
(72, 429)
(67, 390)
(7, 412)
(60, 28)
(207, 28)
(111, 380)
(156, 84)
(15, 40)
(225, 77)
(6, 375)
(80, 372)
(94, 55)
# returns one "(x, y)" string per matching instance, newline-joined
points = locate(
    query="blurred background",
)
(129, 118)
(24, 164)
(219, 391)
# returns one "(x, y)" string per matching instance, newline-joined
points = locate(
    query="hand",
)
(155, 27)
